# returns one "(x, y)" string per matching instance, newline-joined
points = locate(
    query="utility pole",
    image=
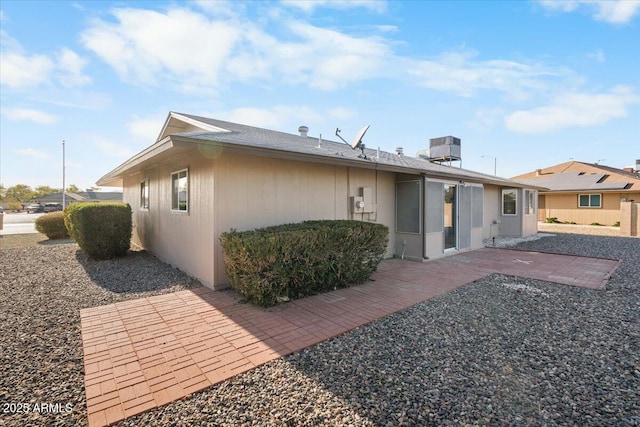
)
(495, 164)
(64, 205)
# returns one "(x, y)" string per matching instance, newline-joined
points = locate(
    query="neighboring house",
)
(203, 177)
(583, 193)
(81, 196)
(56, 198)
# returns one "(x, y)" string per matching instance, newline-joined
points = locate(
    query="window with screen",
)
(590, 200)
(509, 201)
(408, 211)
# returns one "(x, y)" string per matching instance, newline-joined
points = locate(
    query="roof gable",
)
(181, 123)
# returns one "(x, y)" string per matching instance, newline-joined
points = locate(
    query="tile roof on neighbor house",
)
(302, 147)
(580, 176)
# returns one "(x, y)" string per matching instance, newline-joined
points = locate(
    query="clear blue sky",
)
(532, 83)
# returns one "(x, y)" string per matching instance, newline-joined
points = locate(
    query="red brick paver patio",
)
(144, 353)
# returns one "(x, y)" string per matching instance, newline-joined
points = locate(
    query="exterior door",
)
(450, 217)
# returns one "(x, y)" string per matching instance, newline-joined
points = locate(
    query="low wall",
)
(629, 219)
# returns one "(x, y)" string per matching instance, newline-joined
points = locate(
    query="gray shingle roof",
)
(101, 195)
(575, 181)
(250, 136)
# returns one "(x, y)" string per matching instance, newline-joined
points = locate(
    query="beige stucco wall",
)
(565, 208)
(491, 212)
(245, 192)
(253, 192)
(630, 219)
(183, 239)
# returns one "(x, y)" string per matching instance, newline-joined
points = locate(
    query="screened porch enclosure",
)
(436, 217)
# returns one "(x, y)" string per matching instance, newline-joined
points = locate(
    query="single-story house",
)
(81, 196)
(583, 193)
(203, 177)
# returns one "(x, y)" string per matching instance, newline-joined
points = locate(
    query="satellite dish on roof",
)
(358, 139)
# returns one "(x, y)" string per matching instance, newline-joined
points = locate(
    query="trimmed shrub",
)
(52, 225)
(276, 264)
(102, 230)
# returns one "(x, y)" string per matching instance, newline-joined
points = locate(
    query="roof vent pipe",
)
(399, 151)
(538, 172)
(303, 131)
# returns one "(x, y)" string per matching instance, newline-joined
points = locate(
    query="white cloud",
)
(22, 70)
(275, 118)
(574, 109)
(328, 59)
(204, 53)
(611, 11)
(308, 6)
(36, 116)
(146, 128)
(460, 73)
(110, 148)
(597, 55)
(341, 113)
(71, 66)
(33, 153)
(149, 47)
(486, 119)
(198, 54)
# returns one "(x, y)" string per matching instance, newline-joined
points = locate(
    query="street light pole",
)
(64, 205)
(495, 164)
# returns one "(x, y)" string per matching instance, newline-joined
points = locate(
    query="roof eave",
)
(114, 177)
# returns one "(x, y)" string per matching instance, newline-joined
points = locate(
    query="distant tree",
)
(43, 190)
(19, 193)
(73, 189)
(3, 193)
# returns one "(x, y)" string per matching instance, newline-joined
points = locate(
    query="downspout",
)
(423, 195)
(349, 213)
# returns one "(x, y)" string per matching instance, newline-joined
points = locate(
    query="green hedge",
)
(52, 225)
(275, 264)
(102, 230)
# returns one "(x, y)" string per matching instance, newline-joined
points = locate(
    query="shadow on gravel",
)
(138, 271)
(489, 353)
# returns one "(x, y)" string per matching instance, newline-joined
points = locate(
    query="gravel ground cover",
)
(500, 351)
(43, 286)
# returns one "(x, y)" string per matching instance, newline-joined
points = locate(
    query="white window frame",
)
(589, 195)
(144, 195)
(175, 197)
(515, 191)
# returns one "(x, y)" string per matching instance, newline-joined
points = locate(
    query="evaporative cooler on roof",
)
(445, 149)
